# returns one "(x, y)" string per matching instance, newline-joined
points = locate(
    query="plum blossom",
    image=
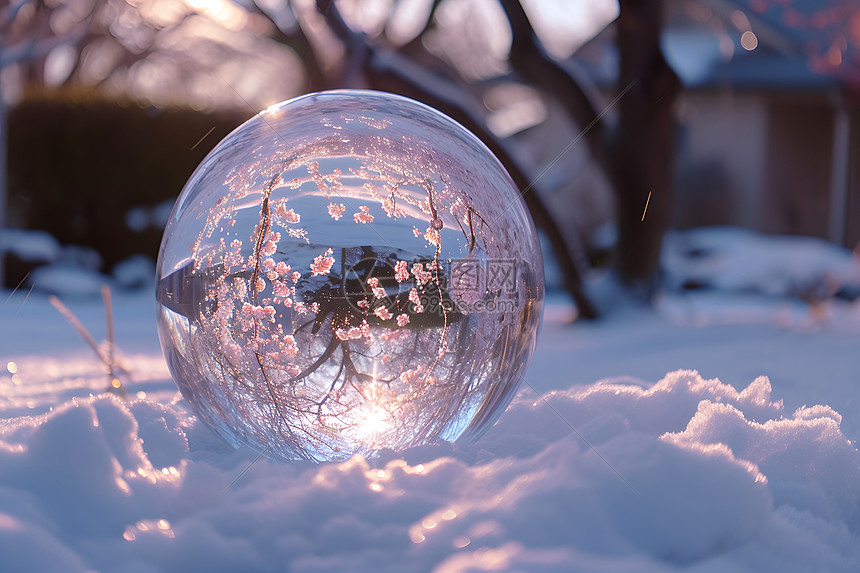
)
(364, 215)
(378, 291)
(416, 301)
(336, 210)
(432, 236)
(382, 312)
(289, 347)
(421, 275)
(322, 263)
(400, 271)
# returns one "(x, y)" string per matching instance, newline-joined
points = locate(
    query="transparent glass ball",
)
(345, 272)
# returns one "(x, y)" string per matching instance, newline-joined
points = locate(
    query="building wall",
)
(721, 159)
(763, 160)
(852, 220)
(798, 163)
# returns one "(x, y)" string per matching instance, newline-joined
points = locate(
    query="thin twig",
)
(114, 383)
(78, 326)
(27, 296)
(14, 290)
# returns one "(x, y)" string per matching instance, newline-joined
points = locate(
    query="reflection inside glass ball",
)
(348, 271)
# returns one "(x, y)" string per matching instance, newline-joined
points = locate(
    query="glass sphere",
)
(348, 271)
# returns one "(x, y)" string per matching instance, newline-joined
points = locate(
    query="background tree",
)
(27, 37)
(635, 153)
(220, 53)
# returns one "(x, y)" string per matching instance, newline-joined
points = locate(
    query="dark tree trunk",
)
(643, 145)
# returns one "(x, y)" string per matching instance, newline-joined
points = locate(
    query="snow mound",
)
(68, 280)
(686, 472)
(740, 260)
(134, 272)
(30, 245)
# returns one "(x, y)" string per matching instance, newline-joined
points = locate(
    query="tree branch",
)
(392, 72)
(566, 83)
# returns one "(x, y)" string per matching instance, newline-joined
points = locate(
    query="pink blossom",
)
(281, 289)
(377, 290)
(269, 248)
(364, 216)
(421, 275)
(241, 287)
(382, 313)
(233, 257)
(298, 234)
(336, 211)
(388, 206)
(416, 301)
(400, 271)
(289, 346)
(352, 333)
(413, 297)
(251, 311)
(322, 263)
(402, 319)
(291, 217)
(432, 236)
(407, 376)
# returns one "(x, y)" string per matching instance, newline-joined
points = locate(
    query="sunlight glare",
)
(375, 422)
(224, 12)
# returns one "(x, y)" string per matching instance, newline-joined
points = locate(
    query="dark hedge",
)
(78, 164)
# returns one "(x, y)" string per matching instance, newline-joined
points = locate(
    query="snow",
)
(714, 432)
(30, 245)
(67, 279)
(735, 259)
(135, 272)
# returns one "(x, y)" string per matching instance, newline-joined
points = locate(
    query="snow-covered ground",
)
(715, 432)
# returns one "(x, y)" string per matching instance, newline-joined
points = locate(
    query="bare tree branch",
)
(297, 40)
(390, 71)
(566, 83)
(643, 144)
(357, 48)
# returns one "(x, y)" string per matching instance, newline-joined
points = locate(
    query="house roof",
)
(804, 45)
